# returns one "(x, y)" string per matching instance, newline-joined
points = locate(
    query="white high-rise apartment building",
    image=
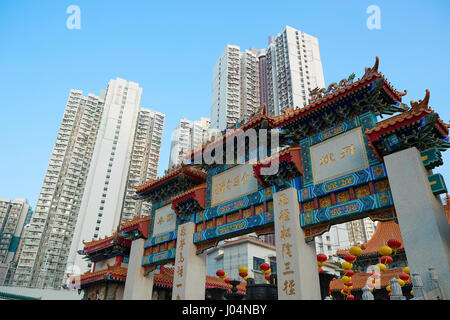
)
(126, 153)
(14, 215)
(294, 68)
(360, 231)
(187, 135)
(103, 196)
(104, 146)
(226, 89)
(49, 235)
(279, 76)
(235, 91)
(250, 94)
(331, 241)
(144, 161)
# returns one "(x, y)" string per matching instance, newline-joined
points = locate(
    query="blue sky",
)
(170, 47)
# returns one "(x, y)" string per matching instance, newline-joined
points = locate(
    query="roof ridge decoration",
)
(379, 95)
(421, 105)
(110, 270)
(170, 172)
(277, 155)
(317, 93)
(374, 72)
(263, 111)
(419, 126)
(259, 116)
(136, 219)
(374, 69)
(94, 242)
(416, 109)
(197, 187)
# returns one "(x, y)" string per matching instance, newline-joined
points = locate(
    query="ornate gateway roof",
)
(420, 126)
(342, 97)
(329, 107)
(112, 273)
(289, 162)
(175, 181)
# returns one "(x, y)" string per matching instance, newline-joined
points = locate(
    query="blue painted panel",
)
(233, 227)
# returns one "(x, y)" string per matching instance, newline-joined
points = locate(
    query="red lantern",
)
(243, 275)
(386, 259)
(220, 273)
(404, 276)
(349, 258)
(390, 294)
(264, 266)
(349, 273)
(321, 257)
(320, 270)
(394, 243)
(227, 280)
(348, 284)
(267, 277)
(350, 297)
(345, 291)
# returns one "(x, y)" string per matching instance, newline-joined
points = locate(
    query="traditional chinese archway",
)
(337, 164)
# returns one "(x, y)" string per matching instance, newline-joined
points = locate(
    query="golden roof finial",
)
(421, 104)
(374, 69)
(263, 110)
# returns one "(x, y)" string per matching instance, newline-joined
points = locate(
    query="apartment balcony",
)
(26, 264)
(36, 229)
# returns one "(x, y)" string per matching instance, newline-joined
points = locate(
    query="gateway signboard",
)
(165, 220)
(232, 184)
(337, 156)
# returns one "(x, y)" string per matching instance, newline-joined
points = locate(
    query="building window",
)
(273, 267)
(257, 262)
